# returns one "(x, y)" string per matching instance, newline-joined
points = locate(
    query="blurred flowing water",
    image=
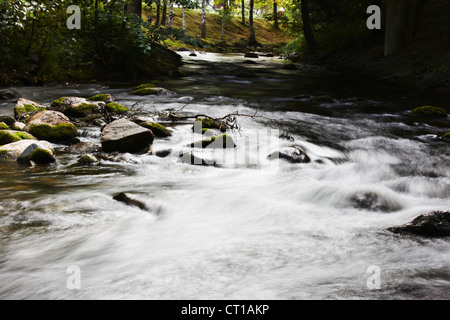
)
(265, 230)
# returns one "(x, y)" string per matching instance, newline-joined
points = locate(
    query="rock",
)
(435, 224)
(291, 154)
(116, 108)
(124, 198)
(429, 111)
(191, 158)
(10, 136)
(192, 54)
(163, 153)
(51, 126)
(223, 141)
(289, 66)
(3, 126)
(249, 62)
(107, 98)
(373, 202)
(82, 110)
(152, 84)
(125, 136)
(87, 160)
(76, 107)
(181, 49)
(62, 103)
(208, 123)
(9, 121)
(83, 148)
(19, 126)
(28, 150)
(158, 130)
(251, 55)
(445, 136)
(25, 108)
(9, 95)
(150, 91)
(267, 55)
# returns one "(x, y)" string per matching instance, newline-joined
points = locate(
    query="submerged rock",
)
(25, 108)
(434, 224)
(116, 108)
(208, 123)
(373, 202)
(220, 142)
(9, 95)
(28, 150)
(192, 54)
(10, 136)
(87, 160)
(51, 126)
(191, 158)
(251, 55)
(291, 154)
(249, 62)
(124, 198)
(149, 91)
(107, 98)
(125, 136)
(84, 147)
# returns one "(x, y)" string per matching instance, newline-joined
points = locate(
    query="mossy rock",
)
(58, 133)
(82, 110)
(145, 92)
(151, 85)
(102, 97)
(87, 160)
(430, 111)
(221, 142)
(157, 129)
(116, 108)
(9, 121)
(25, 108)
(208, 123)
(58, 103)
(10, 136)
(3, 126)
(42, 156)
(446, 136)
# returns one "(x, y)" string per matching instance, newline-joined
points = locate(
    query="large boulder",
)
(28, 150)
(25, 108)
(77, 107)
(291, 154)
(51, 126)
(125, 136)
(434, 224)
(10, 136)
(430, 111)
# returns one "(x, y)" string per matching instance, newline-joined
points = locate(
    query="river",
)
(249, 228)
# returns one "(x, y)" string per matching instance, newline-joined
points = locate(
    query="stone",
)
(208, 123)
(87, 160)
(25, 108)
(191, 158)
(251, 55)
(9, 95)
(51, 126)
(3, 126)
(192, 54)
(19, 126)
(124, 198)
(9, 121)
(28, 150)
(107, 98)
(223, 141)
(83, 148)
(372, 201)
(291, 154)
(158, 130)
(116, 108)
(125, 136)
(430, 111)
(435, 224)
(10, 136)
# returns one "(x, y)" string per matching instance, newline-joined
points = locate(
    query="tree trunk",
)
(135, 7)
(169, 24)
(400, 16)
(184, 19)
(252, 38)
(224, 12)
(243, 12)
(307, 27)
(275, 15)
(203, 19)
(164, 13)
(158, 12)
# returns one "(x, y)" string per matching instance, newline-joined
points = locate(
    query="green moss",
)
(10, 136)
(82, 110)
(58, 133)
(87, 160)
(157, 129)
(101, 97)
(42, 156)
(446, 136)
(26, 109)
(9, 121)
(430, 111)
(59, 102)
(116, 108)
(222, 141)
(145, 92)
(3, 126)
(208, 123)
(146, 85)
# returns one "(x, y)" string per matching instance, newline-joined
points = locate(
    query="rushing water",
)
(253, 229)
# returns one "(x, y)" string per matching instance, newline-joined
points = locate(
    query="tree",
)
(135, 6)
(164, 13)
(169, 24)
(275, 15)
(203, 19)
(243, 12)
(307, 27)
(252, 38)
